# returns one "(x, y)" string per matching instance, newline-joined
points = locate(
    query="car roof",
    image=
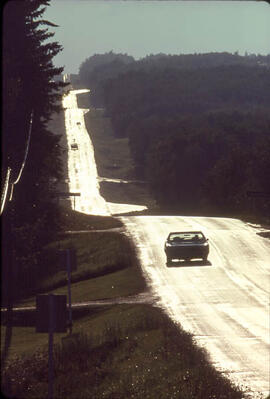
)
(187, 232)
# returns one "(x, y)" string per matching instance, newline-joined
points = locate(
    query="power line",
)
(27, 148)
(25, 156)
(9, 170)
(5, 191)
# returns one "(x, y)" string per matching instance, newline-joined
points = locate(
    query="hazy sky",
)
(139, 28)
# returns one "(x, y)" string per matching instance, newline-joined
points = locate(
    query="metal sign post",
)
(69, 289)
(68, 262)
(50, 349)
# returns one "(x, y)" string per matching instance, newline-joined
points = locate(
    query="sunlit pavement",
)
(82, 171)
(224, 302)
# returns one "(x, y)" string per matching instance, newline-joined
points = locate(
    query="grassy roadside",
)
(112, 154)
(106, 268)
(135, 193)
(124, 351)
(76, 221)
(113, 159)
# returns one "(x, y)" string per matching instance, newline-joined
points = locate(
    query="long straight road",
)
(224, 302)
(82, 171)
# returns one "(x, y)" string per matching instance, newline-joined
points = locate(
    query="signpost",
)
(51, 312)
(69, 263)
(67, 194)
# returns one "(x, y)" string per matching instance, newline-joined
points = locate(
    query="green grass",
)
(112, 154)
(125, 351)
(73, 220)
(113, 285)
(83, 100)
(130, 193)
(104, 260)
(114, 161)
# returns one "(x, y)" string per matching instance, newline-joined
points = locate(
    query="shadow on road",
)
(189, 263)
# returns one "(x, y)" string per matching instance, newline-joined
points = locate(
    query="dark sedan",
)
(186, 245)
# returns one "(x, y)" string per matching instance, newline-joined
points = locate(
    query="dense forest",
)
(198, 125)
(30, 152)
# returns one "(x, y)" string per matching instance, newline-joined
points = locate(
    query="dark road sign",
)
(43, 313)
(66, 194)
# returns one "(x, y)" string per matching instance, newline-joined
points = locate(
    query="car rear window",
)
(186, 237)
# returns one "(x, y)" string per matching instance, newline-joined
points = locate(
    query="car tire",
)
(169, 261)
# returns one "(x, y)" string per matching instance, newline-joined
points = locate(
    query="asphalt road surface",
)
(224, 302)
(82, 170)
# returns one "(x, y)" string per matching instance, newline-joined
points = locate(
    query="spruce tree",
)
(29, 88)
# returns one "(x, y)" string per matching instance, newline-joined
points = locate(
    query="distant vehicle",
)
(186, 245)
(74, 146)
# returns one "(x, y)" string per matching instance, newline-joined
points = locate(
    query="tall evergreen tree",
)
(27, 74)
(29, 89)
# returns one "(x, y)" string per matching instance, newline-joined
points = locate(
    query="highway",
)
(223, 303)
(82, 170)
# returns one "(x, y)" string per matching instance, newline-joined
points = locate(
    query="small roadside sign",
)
(72, 258)
(67, 194)
(59, 303)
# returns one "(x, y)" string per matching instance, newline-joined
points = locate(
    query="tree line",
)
(198, 125)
